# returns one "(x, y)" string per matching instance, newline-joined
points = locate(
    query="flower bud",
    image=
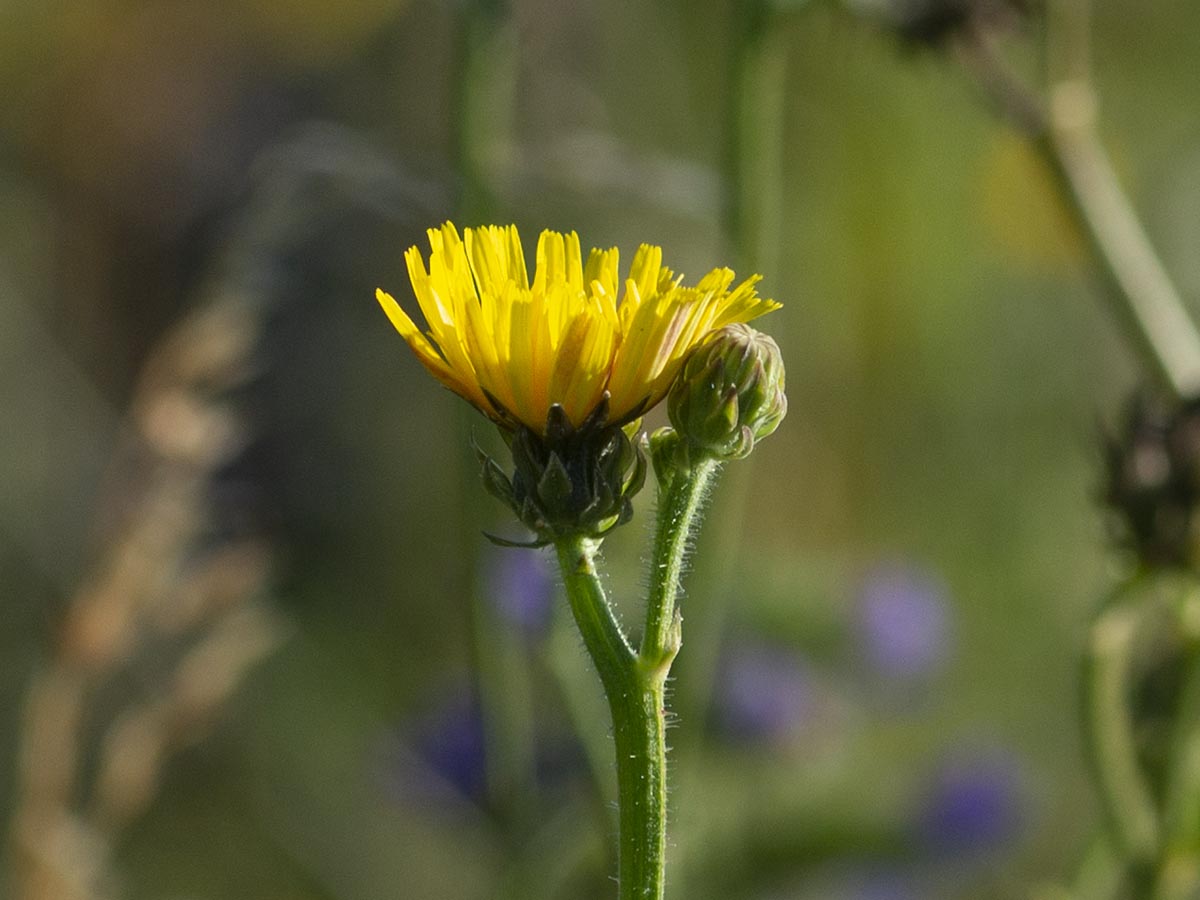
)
(728, 395)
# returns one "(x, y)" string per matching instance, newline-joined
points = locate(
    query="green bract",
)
(569, 481)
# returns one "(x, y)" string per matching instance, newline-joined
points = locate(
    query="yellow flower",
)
(513, 348)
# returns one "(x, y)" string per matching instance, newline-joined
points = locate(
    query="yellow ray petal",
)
(428, 355)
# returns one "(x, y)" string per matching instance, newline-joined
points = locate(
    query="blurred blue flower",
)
(854, 879)
(763, 691)
(973, 803)
(441, 758)
(447, 744)
(903, 622)
(521, 586)
(882, 884)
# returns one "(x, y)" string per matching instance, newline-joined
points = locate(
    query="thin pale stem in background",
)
(1064, 131)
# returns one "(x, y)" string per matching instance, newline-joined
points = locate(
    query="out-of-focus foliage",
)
(876, 695)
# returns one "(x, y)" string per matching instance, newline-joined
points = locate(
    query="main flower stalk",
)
(636, 702)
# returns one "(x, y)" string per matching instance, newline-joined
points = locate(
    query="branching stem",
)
(635, 682)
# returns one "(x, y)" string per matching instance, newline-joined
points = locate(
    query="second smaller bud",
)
(729, 394)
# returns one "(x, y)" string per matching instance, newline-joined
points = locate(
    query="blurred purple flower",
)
(763, 692)
(447, 744)
(440, 759)
(973, 803)
(903, 622)
(521, 587)
(857, 879)
(882, 885)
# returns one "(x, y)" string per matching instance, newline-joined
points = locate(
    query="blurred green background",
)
(877, 692)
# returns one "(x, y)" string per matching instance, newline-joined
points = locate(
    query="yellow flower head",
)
(513, 348)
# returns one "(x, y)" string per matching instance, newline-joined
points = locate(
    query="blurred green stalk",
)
(1179, 862)
(1110, 731)
(754, 136)
(483, 99)
(1155, 843)
(752, 219)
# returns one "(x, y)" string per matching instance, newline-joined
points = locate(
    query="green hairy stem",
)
(635, 682)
